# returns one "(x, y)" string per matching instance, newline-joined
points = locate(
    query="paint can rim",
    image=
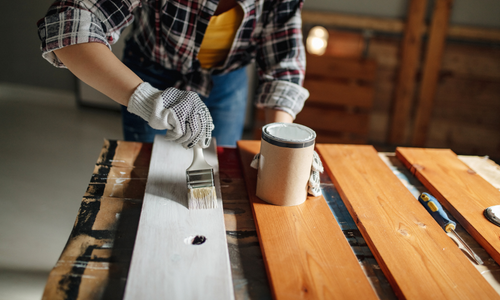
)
(287, 142)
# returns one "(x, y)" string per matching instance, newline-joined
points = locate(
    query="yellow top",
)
(219, 37)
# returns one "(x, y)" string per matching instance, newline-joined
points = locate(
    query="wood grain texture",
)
(306, 253)
(410, 55)
(164, 264)
(341, 97)
(463, 192)
(352, 21)
(334, 67)
(393, 25)
(338, 93)
(96, 259)
(432, 66)
(334, 120)
(418, 258)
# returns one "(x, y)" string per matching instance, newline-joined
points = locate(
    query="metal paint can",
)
(286, 155)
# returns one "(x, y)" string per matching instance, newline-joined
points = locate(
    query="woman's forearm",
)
(97, 66)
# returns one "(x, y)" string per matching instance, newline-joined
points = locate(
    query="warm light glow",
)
(317, 43)
(317, 40)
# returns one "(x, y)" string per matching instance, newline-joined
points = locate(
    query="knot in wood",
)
(403, 232)
(472, 172)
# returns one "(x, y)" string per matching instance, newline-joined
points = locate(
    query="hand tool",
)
(437, 212)
(492, 213)
(200, 182)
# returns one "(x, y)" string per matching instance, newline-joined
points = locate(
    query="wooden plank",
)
(333, 67)
(330, 92)
(418, 258)
(345, 44)
(460, 190)
(165, 262)
(474, 33)
(333, 120)
(351, 21)
(471, 62)
(96, 259)
(485, 167)
(338, 138)
(432, 66)
(306, 253)
(410, 55)
(394, 25)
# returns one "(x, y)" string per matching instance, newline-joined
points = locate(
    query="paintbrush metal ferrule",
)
(200, 182)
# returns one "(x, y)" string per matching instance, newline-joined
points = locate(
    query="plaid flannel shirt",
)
(170, 33)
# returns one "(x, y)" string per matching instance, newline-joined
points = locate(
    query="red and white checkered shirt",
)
(170, 33)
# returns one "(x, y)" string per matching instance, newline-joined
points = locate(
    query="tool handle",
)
(199, 162)
(437, 212)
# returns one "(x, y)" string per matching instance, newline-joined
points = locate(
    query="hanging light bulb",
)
(317, 40)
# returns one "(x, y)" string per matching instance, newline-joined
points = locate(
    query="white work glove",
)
(182, 113)
(314, 178)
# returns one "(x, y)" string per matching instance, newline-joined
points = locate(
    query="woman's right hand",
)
(182, 113)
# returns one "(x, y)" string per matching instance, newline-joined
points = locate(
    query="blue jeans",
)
(226, 102)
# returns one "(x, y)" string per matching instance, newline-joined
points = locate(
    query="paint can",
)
(286, 154)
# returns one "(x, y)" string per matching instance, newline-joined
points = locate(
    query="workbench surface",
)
(95, 262)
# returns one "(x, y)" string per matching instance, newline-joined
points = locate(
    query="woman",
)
(183, 61)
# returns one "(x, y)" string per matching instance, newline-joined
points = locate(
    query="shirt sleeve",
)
(70, 22)
(281, 58)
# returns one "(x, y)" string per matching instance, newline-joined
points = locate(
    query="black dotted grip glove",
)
(182, 113)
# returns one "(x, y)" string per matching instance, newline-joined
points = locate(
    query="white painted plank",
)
(163, 265)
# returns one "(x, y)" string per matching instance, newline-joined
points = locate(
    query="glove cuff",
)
(142, 102)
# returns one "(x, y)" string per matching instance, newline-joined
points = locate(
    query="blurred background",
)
(386, 73)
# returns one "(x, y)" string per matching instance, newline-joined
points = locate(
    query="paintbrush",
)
(200, 182)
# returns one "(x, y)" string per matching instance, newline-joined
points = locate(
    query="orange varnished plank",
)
(305, 251)
(460, 190)
(418, 258)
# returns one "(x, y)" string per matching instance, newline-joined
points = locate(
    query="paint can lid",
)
(288, 135)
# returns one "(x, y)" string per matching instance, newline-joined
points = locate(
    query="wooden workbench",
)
(95, 262)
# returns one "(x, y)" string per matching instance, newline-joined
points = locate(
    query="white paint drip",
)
(116, 188)
(107, 246)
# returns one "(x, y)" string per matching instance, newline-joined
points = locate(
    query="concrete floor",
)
(48, 150)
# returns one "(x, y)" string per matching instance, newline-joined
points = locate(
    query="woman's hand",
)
(182, 113)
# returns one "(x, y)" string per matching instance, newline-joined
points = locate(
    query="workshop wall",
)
(466, 107)
(483, 13)
(20, 54)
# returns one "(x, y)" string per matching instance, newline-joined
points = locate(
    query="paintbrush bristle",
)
(202, 198)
